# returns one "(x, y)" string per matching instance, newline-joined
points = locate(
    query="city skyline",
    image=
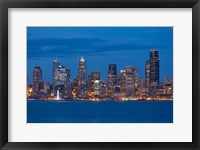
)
(124, 86)
(99, 75)
(98, 44)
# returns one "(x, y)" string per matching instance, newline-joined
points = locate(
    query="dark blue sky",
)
(100, 46)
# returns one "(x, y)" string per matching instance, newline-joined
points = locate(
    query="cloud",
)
(66, 47)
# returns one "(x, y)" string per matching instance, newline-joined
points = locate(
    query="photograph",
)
(99, 74)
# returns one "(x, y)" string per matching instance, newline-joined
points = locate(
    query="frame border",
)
(6, 4)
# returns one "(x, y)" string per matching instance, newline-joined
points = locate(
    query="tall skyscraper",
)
(112, 78)
(147, 74)
(122, 81)
(37, 74)
(130, 85)
(68, 85)
(82, 79)
(154, 68)
(135, 69)
(61, 77)
(37, 80)
(55, 64)
(82, 72)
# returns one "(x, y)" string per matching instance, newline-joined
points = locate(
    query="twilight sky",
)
(100, 46)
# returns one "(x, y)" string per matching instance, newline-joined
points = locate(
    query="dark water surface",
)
(99, 112)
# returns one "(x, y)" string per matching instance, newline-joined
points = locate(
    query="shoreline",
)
(94, 100)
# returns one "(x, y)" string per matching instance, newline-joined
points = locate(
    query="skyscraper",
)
(130, 85)
(37, 74)
(112, 78)
(122, 81)
(82, 79)
(61, 76)
(154, 68)
(135, 69)
(68, 85)
(82, 74)
(147, 74)
(37, 80)
(55, 64)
